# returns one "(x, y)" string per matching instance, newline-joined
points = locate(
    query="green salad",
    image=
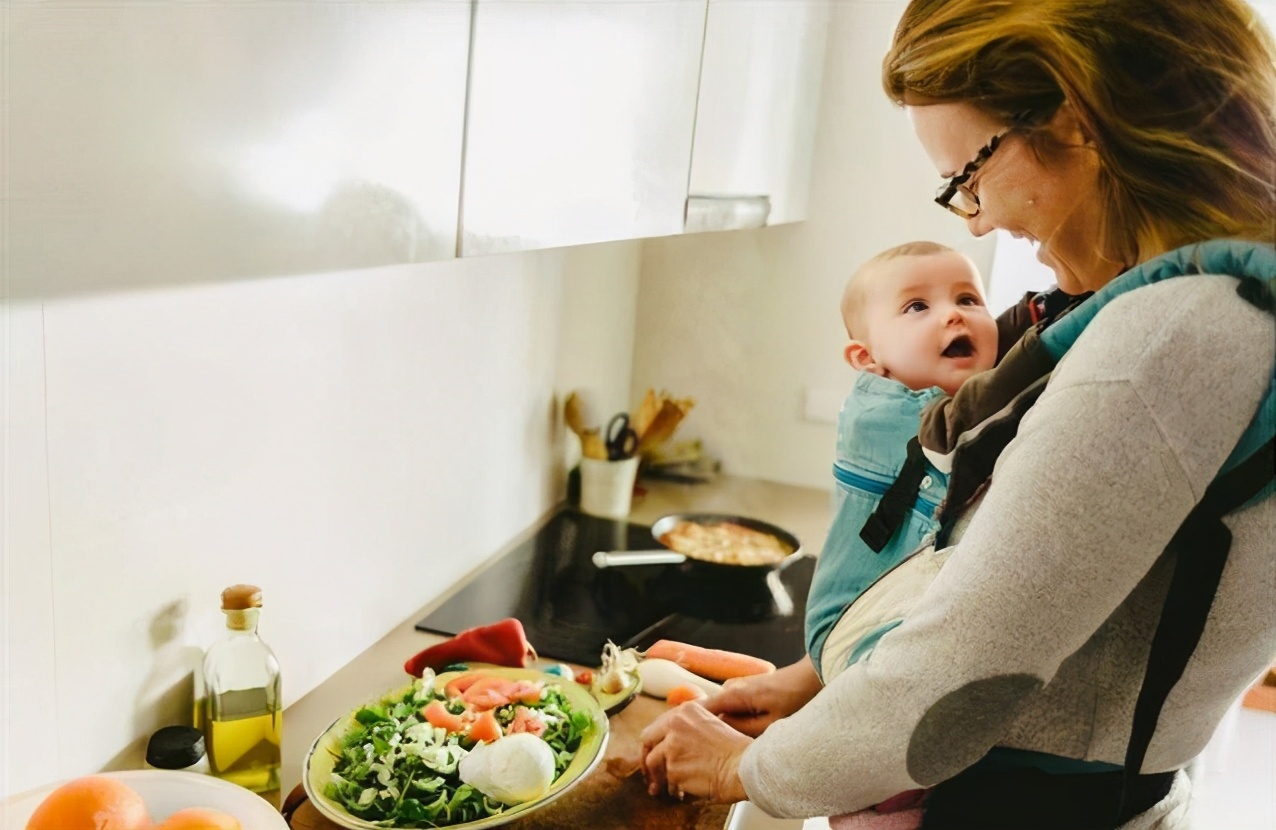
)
(398, 768)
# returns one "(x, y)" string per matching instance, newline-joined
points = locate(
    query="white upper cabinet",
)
(579, 121)
(160, 142)
(757, 111)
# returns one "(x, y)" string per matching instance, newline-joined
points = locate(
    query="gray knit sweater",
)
(1035, 633)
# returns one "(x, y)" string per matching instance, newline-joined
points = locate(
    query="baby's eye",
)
(915, 305)
(970, 299)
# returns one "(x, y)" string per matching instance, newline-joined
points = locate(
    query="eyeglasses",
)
(956, 195)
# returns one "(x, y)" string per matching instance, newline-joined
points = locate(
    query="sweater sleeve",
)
(1135, 422)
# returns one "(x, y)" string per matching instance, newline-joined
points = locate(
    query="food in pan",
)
(725, 542)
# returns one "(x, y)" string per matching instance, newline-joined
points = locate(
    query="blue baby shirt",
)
(877, 419)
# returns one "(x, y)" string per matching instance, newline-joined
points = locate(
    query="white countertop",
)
(804, 511)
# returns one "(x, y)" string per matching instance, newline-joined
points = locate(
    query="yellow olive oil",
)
(243, 736)
(242, 711)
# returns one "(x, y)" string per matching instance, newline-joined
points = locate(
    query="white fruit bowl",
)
(165, 792)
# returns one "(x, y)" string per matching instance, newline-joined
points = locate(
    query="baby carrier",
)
(887, 491)
(876, 523)
(1201, 544)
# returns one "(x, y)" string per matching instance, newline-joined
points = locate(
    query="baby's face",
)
(925, 321)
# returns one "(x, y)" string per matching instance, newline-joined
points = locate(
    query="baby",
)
(916, 314)
(918, 329)
(919, 333)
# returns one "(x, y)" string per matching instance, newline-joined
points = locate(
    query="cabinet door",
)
(759, 100)
(579, 121)
(177, 142)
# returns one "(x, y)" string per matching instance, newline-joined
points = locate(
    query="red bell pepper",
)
(501, 643)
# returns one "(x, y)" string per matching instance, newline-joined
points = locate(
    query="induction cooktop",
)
(570, 608)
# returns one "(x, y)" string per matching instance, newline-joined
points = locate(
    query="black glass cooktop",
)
(570, 608)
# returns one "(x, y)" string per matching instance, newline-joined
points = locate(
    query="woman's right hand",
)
(751, 704)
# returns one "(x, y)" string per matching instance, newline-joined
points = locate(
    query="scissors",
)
(621, 440)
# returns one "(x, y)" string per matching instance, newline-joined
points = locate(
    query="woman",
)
(1109, 133)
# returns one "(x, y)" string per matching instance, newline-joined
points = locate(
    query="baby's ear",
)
(858, 355)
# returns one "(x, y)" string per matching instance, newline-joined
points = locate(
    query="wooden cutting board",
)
(606, 799)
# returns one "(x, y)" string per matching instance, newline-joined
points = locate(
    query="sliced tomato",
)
(525, 721)
(584, 677)
(484, 727)
(436, 714)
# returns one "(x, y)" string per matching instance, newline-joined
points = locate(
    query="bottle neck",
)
(243, 621)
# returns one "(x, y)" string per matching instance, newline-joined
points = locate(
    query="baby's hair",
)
(853, 294)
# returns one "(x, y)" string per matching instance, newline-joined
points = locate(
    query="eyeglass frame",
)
(944, 196)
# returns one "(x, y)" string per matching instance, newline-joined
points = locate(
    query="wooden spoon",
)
(573, 416)
(592, 445)
(646, 413)
(662, 426)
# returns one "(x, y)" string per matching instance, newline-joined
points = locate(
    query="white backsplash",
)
(353, 442)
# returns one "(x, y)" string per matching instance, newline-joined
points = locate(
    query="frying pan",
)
(665, 556)
(708, 572)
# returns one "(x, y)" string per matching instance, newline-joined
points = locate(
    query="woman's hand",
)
(688, 751)
(751, 704)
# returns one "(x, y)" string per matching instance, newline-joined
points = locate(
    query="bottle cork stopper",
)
(241, 598)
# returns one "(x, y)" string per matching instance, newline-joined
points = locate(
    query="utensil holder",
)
(607, 487)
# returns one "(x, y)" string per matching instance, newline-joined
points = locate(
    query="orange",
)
(199, 818)
(93, 802)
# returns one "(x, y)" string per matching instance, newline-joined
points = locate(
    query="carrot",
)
(684, 694)
(436, 714)
(484, 728)
(712, 663)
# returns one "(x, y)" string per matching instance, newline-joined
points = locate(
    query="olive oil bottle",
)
(241, 711)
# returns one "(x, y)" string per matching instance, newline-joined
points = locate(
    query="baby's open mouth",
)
(962, 346)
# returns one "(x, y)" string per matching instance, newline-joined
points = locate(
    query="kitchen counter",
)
(802, 510)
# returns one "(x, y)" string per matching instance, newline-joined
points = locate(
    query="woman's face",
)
(1051, 200)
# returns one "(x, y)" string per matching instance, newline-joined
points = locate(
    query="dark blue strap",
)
(890, 513)
(1200, 547)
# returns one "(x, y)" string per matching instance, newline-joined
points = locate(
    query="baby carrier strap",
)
(975, 456)
(1252, 262)
(898, 499)
(1200, 548)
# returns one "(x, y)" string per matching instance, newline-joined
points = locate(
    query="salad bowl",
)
(322, 759)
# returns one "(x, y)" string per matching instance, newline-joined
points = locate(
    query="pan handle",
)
(615, 558)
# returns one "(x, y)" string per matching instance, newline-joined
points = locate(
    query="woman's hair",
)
(1179, 97)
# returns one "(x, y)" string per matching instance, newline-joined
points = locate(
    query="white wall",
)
(352, 442)
(745, 322)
